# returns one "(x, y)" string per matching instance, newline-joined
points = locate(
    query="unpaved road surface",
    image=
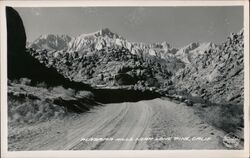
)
(152, 124)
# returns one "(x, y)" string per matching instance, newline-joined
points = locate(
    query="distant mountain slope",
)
(51, 42)
(190, 52)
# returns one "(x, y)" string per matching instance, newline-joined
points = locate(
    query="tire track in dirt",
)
(143, 119)
(83, 127)
(134, 125)
(179, 121)
(106, 131)
(98, 126)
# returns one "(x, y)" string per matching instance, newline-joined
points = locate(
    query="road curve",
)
(121, 124)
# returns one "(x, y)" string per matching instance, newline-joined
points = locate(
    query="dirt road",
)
(154, 124)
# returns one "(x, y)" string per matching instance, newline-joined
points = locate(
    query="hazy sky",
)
(178, 26)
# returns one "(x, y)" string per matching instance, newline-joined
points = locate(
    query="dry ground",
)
(166, 125)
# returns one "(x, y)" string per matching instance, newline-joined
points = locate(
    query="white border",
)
(120, 153)
(100, 3)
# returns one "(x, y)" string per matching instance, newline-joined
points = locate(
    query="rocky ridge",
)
(217, 74)
(97, 41)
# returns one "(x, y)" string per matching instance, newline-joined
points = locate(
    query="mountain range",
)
(105, 38)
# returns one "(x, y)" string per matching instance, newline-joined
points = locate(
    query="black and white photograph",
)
(147, 78)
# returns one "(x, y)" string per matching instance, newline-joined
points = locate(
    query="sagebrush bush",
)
(25, 81)
(33, 111)
(85, 94)
(61, 90)
(29, 104)
(42, 85)
(226, 117)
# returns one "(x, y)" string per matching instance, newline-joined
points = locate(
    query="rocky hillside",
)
(109, 67)
(216, 74)
(103, 58)
(190, 52)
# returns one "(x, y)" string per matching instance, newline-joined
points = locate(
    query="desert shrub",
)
(183, 92)
(42, 85)
(124, 69)
(9, 82)
(32, 111)
(66, 92)
(152, 82)
(15, 81)
(70, 92)
(85, 94)
(232, 117)
(125, 79)
(227, 117)
(25, 81)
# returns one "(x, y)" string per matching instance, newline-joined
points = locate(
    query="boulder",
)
(188, 102)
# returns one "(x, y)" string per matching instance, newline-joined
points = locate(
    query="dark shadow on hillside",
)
(22, 64)
(123, 95)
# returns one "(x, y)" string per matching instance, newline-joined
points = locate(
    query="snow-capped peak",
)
(205, 46)
(51, 42)
(105, 32)
(53, 37)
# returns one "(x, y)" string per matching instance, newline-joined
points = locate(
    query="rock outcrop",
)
(216, 74)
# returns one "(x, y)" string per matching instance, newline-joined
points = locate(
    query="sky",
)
(178, 26)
